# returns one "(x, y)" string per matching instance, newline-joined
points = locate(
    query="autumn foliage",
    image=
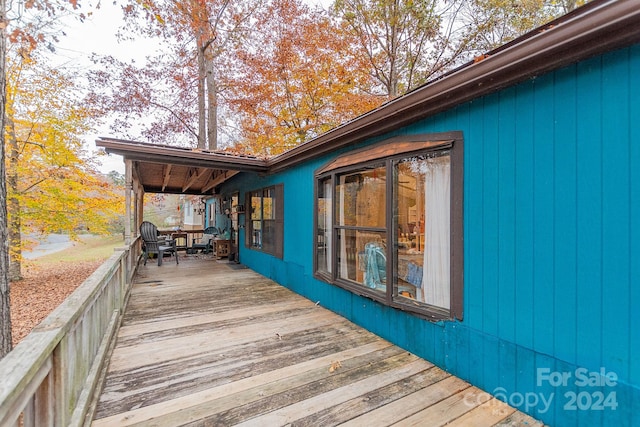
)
(294, 80)
(262, 76)
(52, 183)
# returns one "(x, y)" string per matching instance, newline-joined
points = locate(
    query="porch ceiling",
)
(166, 169)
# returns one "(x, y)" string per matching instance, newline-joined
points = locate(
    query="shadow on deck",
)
(212, 343)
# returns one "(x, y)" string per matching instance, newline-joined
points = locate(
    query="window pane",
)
(256, 240)
(361, 198)
(256, 216)
(422, 229)
(362, 258)
(256, 206)
(268, 204)
(269, 235)
(325, 225)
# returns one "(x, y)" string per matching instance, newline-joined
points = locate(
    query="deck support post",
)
(127, 201)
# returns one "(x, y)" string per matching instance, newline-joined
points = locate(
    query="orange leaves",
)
(294, 80)
(31, 23)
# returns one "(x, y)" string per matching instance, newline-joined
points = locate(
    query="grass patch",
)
(88, 248)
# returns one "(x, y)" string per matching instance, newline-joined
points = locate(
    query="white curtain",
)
(344, 265)
(436, 273)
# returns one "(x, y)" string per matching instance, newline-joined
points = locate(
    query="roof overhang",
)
(166, 169)
(598, 27)
(593, 29)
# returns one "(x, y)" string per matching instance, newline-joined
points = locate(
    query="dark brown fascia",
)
(132, 150)
(594, 29)
(598, 27)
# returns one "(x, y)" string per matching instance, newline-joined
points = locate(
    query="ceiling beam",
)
(219, 179)
(166, 172)
(193, 176)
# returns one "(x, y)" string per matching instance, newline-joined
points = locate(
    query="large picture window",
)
(264, 220)
(390, 226)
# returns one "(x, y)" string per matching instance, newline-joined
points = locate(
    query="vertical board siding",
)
(543, 215)
(473, 227)
(552, 240)
(297, 246)
(524, 233)
(489, 214)
(615, 212)
(564, 274)
(634, 212)
(589, 214)
(506, 215)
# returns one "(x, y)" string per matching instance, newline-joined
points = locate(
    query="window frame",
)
(390, 152)
(277, 249)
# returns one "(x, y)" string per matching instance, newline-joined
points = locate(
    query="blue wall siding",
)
(552, 241)
(634, 235)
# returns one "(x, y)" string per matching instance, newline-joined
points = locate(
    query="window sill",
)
(430, 313)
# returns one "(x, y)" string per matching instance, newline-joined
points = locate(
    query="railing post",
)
(50, 377)
(60, 384)
(127, 200)
(44, 402)
(124, 278)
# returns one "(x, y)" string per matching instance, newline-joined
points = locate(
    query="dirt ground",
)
(43, 288)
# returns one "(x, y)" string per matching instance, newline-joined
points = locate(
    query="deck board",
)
(210, 343)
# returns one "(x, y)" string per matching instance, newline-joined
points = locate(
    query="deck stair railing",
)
(50, 377)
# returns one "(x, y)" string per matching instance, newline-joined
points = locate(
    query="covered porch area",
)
(208, 342)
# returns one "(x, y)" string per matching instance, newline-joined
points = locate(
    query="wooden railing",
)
(50, 377)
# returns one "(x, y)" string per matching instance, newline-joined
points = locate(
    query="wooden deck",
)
(208, 343)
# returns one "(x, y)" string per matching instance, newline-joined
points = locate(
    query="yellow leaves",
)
(50, 177)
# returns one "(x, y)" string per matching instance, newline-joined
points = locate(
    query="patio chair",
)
(153, 245)
(206, 241)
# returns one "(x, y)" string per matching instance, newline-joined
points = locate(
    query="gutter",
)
(589, 31)
(139, 151)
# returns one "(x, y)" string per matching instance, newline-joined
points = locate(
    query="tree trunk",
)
(13, 205)
(212, 107)
(202, 137)
(5, 308)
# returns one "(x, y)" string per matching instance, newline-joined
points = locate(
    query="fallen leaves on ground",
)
(43, 288)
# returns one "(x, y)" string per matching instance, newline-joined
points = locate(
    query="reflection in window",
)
(265, 222)
(361, 217)
(385, 225)
(256, 219)
(423, 229)
(324, 236)
(361, 198)
(268, 220)
(362, 258)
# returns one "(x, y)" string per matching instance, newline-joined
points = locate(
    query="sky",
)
(98, 35)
